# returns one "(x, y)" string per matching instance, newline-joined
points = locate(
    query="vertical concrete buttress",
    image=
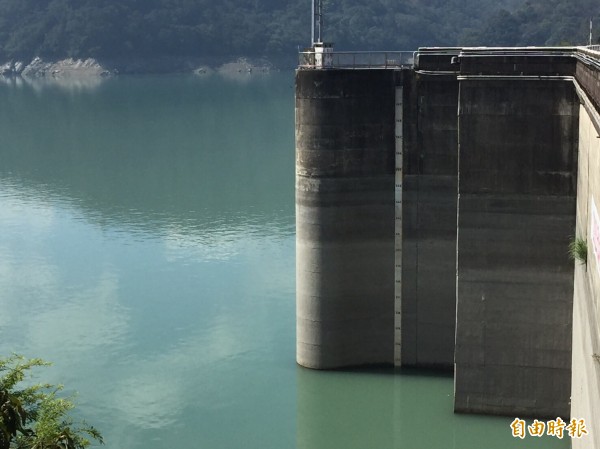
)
(516, 215)
(345, 217)
(429, 220)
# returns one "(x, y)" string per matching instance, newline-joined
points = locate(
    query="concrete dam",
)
(435, 202)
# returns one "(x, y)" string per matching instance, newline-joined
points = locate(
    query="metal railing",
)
(481, 52)
(589, 55)
(356, 59)
(593, 47)
(592, 51)
(406, 59)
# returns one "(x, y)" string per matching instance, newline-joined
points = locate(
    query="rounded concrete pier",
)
(345, 217)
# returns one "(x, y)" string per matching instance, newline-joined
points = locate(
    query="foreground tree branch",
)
(35, 417)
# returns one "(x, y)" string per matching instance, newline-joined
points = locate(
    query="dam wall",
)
(585, 387)
(435, 207)
(516, 216)
(350, 142)
(429, 220)
(345, 124)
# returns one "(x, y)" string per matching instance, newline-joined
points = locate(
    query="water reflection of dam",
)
(435, 205)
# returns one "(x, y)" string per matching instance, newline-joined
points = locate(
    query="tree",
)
(35, 417)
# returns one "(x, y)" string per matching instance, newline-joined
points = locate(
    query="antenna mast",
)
(316, 22)
(321, 52)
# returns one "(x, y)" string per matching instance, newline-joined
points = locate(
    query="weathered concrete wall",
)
(517, 62)
(429, 220)
(585, 389)
(516, 209)
(345, 217)
(588, 78)
(507, 273)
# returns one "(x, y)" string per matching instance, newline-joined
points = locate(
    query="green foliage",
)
(113, 29)
(34, 416)
(578, 250)
(538, 22)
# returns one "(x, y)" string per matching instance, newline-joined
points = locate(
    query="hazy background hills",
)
(138, 29)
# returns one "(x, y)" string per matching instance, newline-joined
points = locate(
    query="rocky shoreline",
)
(71, 68)
(38, 68)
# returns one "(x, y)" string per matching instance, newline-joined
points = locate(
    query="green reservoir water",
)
(147, 249)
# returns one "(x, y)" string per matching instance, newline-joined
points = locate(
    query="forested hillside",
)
(275, 28)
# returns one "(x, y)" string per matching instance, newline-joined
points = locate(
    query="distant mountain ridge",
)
(118, 30)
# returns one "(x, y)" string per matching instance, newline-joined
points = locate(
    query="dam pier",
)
(437, 193)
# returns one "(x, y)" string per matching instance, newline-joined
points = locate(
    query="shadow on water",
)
(393, 408)
(401, 371)
(150, 153)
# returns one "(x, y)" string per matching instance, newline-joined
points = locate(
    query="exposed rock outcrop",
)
(66, 68)
(11, 68)
(243, 65)
(39, 68)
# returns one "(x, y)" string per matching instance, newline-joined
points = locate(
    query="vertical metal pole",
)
(320, 18)
(591, 24)
(312, 25)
